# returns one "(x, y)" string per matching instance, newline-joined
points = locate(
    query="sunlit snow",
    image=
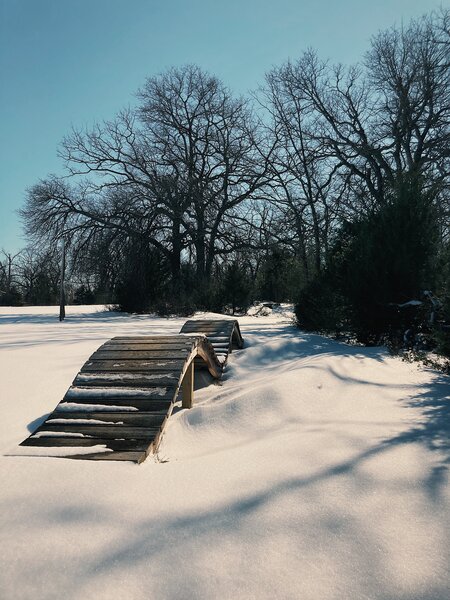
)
(314, 471)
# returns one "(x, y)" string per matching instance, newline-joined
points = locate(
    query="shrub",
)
(143, 279)
(320, 306)
(376, 263)
(235, 288)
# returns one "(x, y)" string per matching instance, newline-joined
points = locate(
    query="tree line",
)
(328, 186)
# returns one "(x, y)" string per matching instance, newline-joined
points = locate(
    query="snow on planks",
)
(223, 334)
(120, 401)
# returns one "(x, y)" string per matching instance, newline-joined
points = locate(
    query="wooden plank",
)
(159, 356)
(136, 457)
(149, 347)
(222, 323)
(208, 325)
(104, 354)
(154, 340)
(141, 339)
(135, 346)
(132, 402)
(109, 415)
(208, 334)
(217, 331)
(142, 366)
(106, 432)
(107, 379)
(178, 349)
(138, 418)
(110, 393)
(212, 323)
(147, 404)
(67, 442)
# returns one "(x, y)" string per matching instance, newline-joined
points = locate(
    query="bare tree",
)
(170, 172)
(38, 275)
(210, 139)
(303, 171)
(9, 279)
(389, 117)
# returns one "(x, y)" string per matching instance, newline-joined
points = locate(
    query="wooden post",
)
(62, 296)
(187, 387)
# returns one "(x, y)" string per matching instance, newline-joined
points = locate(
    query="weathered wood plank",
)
(149, 339)
(208, 324)
(147, 404)
(143, 366)
(112, 392)
(183, 348)
(222, 324)
(143, 380)
(154, 358)
(114, 414)
(138, 418)
(140, 347)
(136, 457)
(112, 366)
(111, 432)
(215, 331)
(68, 442)
(104, 354)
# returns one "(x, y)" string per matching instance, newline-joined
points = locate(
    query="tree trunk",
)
(175, 258)
(62, 295)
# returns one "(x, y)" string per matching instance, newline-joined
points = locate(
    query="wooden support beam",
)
(187, 387)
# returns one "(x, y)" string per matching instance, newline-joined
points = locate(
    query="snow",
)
(315, 470)
(85, 421)
(99, 392)
(54, 452)
(76, 406)
(88, 377)
(45, 434)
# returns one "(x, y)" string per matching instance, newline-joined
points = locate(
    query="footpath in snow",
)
(315, 470)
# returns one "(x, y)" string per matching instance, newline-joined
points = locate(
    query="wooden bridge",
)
(119, 403)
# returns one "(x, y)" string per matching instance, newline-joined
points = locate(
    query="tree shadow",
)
(46, 318)
(152, 540)
(434, 429)
(296, 344)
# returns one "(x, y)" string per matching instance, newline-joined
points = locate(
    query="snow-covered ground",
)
(314, 471)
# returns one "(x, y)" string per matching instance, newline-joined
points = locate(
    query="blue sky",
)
(72, 62)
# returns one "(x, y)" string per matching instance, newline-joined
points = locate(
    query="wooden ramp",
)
(119, 402)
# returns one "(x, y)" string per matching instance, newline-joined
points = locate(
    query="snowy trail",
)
(317, 471)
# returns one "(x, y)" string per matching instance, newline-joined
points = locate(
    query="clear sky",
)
(72, 62)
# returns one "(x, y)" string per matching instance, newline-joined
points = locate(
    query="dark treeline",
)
(329, 187)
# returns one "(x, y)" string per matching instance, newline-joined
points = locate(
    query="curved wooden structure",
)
(119, 403)
(224, 334)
